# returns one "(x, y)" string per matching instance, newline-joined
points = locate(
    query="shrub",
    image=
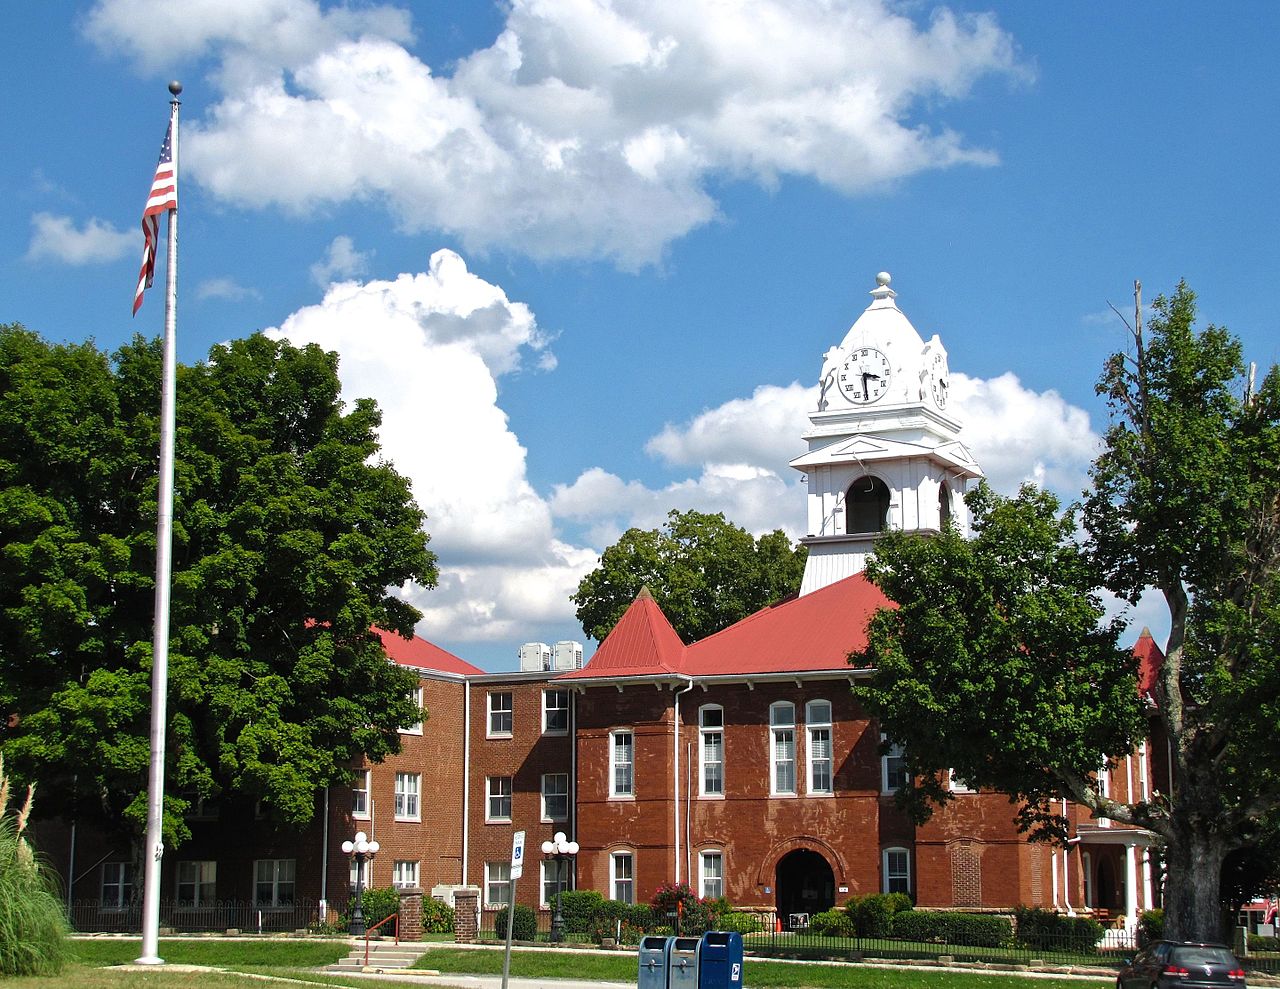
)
(833, 923)
(524, 925)
(437, 916)
(578, 908)
(1262, 942)
(378, 903)
(872, 913)
(1049, 930)
(743, 923)
(694, 915)
(944, 927)
(1151, 926)
(33, 930)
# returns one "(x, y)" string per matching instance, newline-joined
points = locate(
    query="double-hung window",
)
(555, 712)
(782, 744)
(621, 764)
(817, 718)
(117, 885)
(273, 882)
(501, 714)
(404, 874)
(711, 875)
(408, 797)
(893, 768)
(622, 879)
(497, 884)
(555, 796)
(360, 794)
(498, 798)
(415, 729)
(197, 883)
(711, 750)
(555, 879)
(360, 872)
(897, 870)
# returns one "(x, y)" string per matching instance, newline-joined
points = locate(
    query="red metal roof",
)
(1150, 659)
(643, 643)
(813, 632)
(423, 655)
(801, 634)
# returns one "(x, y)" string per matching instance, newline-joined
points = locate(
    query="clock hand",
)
(866, 395)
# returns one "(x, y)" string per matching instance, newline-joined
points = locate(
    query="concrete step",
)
(381, 956)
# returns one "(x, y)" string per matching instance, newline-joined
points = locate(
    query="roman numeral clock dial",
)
(864, 376)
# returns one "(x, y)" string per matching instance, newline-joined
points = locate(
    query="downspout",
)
(675, 759)
(324, 860)
(1066, 868)
(466, 778)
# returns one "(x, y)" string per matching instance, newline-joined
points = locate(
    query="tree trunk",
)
(1193, 900)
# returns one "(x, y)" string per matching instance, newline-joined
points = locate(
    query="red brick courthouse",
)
(740, 764)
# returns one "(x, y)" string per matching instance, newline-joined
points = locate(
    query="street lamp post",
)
(561, 849)
(361, 850)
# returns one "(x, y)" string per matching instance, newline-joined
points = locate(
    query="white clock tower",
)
(884, 448)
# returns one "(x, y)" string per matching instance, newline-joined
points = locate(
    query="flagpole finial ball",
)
(883, 278)
(175, 87)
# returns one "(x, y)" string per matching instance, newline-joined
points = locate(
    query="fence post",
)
(466, 914)
(410, 914)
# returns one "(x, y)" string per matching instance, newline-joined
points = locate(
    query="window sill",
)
(623, 796)
(499, 735)
(407, 820)
(710, 796)
(497, 820)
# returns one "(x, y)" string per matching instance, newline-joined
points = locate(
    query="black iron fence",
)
(219, 916)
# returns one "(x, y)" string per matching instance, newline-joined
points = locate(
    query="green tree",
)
(998, 661)
(705, 572)
(288, 531)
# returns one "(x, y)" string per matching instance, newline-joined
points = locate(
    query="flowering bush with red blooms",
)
(693, 914)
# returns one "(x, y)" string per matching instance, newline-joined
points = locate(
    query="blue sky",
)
(656, 216)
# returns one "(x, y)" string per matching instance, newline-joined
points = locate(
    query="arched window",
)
(944, 505)
(866, 505)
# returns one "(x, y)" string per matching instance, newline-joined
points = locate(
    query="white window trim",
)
(489, 794)
(895, 752)
(417, 697)
(488, 881)
(614, 792)
(367, 813)
(416, 794)
(829, 726)
(397, 872)
(555, 731)
(956, 785)
(613, 875)
(547, 875)
(773, 749)
(546, 815)
(489, 712)
(884, 867)
(365, 869)
(702, 872)
(703, 731)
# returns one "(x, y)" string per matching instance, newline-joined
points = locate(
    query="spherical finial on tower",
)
(883, 278)
(175, 88)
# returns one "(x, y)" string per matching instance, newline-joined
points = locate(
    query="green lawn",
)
(537, 964)
(85, 977)
(221, 954)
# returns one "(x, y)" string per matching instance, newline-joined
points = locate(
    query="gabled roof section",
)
(1150, 658)
(420, 654)
(643, 643)
(801, 634)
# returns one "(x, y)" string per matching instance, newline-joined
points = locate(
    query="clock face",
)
(939, 381)
(864, 376)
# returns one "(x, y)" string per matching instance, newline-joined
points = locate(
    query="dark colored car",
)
(1184, 964)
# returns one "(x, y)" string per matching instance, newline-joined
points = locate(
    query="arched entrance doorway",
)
(1110, 889)
(805, 884)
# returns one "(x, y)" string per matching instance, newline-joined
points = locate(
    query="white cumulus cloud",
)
(588, 128)
(59, 239)
(225, 288)
(341, 260)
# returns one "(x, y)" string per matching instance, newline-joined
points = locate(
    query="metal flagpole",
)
(154, 849)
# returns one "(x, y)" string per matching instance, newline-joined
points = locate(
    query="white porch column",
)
(1130, 886)
(1147, 902)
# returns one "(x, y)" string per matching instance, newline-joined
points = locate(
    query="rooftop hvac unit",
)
(535, 657)
(568, 655)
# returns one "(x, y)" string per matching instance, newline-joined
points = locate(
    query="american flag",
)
(164, 197)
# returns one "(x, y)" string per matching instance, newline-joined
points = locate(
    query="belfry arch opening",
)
(866, 505)
(944, 505)
(806, 885)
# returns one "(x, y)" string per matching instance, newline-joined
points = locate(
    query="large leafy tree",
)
(705, 572)
(288, 533)
(998, 661)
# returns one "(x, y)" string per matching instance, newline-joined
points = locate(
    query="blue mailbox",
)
(720, 960)
(653, 962)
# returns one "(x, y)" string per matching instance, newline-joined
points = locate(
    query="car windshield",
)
(1199, 955)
